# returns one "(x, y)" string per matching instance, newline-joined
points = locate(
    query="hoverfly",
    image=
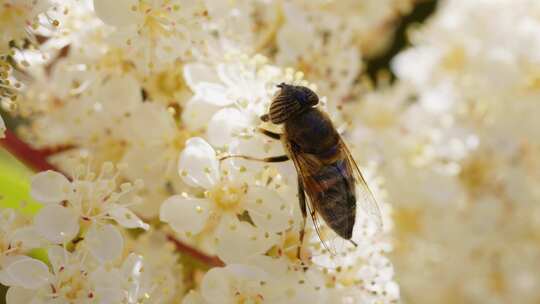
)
(327, 173)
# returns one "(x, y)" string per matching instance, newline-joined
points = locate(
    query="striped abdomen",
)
(336, 200)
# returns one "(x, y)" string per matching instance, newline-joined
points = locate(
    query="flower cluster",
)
(142, 107)
(150, 95)
(247, 212)
(78, 230)
(455, 139)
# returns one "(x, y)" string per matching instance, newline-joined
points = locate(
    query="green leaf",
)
(15, 185)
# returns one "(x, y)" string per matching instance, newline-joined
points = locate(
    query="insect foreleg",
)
(302, 201)
(273, 159)
(270, 134)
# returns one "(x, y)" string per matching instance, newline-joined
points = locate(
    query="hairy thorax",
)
(312, 132)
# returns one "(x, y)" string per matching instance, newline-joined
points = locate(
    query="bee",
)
(327, 173)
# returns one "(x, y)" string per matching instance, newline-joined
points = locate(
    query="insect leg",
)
(273, 159)
(270, 134)
(265, 117)
(302, 201)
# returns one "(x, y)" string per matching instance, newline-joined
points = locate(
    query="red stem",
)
(213, 261)
(37, 161)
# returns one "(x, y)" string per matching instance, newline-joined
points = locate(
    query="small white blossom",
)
(17, 18)
(226, 198)
(154, 33)
(161, 280)
(86, 199)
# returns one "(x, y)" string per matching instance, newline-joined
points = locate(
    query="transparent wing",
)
(365, 197)
(323, 240)
(303, 168)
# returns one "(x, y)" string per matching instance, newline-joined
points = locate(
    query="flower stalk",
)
(32, 158)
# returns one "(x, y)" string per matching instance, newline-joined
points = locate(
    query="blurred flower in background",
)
(123, 108)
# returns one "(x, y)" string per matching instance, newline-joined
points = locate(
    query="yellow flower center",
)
(228, 196)
(166, 86)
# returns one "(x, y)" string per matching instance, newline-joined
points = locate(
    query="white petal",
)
(127, 218)
(160, 131)
(18, 295)
(27, 238)
(197, 113)
(149, 163)
(198, 165)
(2, 128)
(119, 95)
(50, 187)
(238, 241)
(258, 146)
(58, 257)
(247, 272)
(107, 277)
(392, 290)
(216, 286)
(56, 223)
(29, 273)
(213, 93)
(132, 269)
(108, 285)
(185, 214)
(267, 209)
(193, 297)
(224, 125)
(104, 242)
(231, 74)
(116, 13)
(5, 277)
(195, 73)
(109, 295)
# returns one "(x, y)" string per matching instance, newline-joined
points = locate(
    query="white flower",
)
(234, 102)
(65, 280)
(155, 33)
(153, 148)
(16, 236)
(119, 285)
(162, 278)
(86, 199)
(17, 17)
(265, 281)
(72, 278)
(225, 199)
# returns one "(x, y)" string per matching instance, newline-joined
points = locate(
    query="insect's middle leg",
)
(270, 134)
(302, 201)
(272, 159)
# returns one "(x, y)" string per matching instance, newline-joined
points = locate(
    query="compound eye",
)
(310, 96)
